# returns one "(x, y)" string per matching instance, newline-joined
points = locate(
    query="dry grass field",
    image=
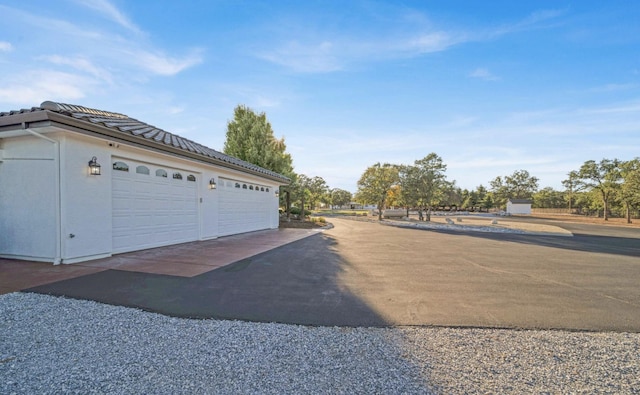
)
(588, 220)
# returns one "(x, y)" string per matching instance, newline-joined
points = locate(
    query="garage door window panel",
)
(120, 166)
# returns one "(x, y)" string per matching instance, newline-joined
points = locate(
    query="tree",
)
(630, 189)
(604, 177)
(250, 138)
(474, 199)
(317, 188)
(394, 198)
(452, 195)
(572, 186)
(519, 185)
(340, 197)
(548, 198)
(409, 191)
(430, 181)
(375, 183)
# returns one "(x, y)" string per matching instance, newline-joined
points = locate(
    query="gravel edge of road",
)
(57, 345)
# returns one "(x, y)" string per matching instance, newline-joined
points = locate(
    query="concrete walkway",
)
(183, 260)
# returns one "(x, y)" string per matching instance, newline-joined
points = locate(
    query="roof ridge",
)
(73, 108)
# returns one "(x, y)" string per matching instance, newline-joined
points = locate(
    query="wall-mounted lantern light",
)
(212, 183)
(94, 167)
(277, 192)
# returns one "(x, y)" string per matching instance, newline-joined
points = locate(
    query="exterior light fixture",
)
(277, 192)
(212, 183)
(94, 167)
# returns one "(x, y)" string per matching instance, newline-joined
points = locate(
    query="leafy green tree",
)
(250, 138)
(317, 188)
(548, 198)
(375, 183)
(519, 185)
(630, 189)
(488, 202)
(409, 190)
(340, 197)
(474, 199)
(452, 195)
(571, 186)
(299, 191)
(604, 177)
(431, 181)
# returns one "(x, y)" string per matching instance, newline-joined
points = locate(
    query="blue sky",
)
(491, 87)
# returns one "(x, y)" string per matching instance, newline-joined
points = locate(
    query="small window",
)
(267, 189)
(177, 176)
(244, 186)
(120, 166)
(257, 189)
(191, 177)
(261, 189)
(142, 170)
(237, 185)
(161, 173)
(251, 187)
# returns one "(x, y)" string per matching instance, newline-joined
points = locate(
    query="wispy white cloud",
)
(336, 51)
(99, 46)
(36, 86)
(483, 74)
(429, 42)
(5, 46)
(80, 63)
(613, 88)
(161, 64)
(535, 20)
(110, 11)
(313, 58)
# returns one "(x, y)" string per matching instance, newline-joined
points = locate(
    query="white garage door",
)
(244, 207)
(152, 206)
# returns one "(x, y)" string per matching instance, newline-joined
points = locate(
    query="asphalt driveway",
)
(366, 274)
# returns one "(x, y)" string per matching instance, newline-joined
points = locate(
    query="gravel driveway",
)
(51, 345)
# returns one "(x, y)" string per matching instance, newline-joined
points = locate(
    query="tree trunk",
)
(302, 211)
(380, 210)
(605, 201)
(628, 207)
(429, 214)
(288, 205)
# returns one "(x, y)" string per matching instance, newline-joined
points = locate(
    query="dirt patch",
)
(297, 224)
(588, 220)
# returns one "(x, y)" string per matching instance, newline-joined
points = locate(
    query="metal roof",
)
(521, 201)
(145, 133)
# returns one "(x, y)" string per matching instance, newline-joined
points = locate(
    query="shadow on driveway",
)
(297, 283)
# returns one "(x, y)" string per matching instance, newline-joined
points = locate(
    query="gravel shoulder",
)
(56, 345)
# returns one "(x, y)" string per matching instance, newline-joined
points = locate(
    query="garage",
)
(244, 207)
(113, 184)
(152, 206)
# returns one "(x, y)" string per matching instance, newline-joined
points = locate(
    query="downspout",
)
(58, 256)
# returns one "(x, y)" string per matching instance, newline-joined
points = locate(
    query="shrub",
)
(296, 211)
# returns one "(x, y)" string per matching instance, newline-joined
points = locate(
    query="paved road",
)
(367, 274)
